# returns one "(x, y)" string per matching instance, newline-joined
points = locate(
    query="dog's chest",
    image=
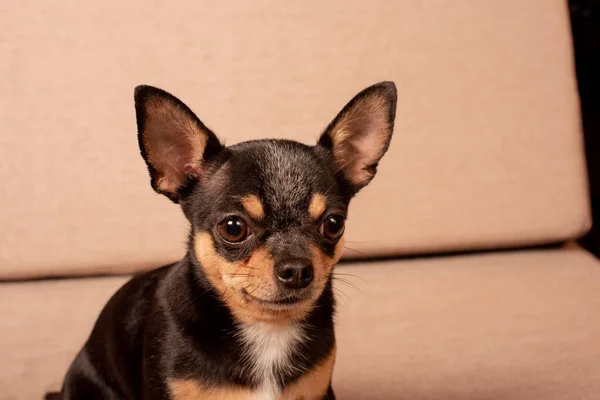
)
(267, 352)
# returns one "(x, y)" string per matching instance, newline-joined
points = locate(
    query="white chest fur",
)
(268, 349)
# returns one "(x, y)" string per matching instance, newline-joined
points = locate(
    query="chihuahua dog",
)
(248, 312)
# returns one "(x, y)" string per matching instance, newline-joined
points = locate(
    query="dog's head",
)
(267, 216)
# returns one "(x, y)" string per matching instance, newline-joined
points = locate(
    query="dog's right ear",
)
(173, 141)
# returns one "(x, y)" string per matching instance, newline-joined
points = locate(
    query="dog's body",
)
(248, 312)
(193, 339)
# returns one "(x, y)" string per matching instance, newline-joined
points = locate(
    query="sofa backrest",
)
(487, 150)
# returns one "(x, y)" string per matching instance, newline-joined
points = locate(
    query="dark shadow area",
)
(585, 24)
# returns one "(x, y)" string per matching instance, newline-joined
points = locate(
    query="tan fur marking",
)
(314, 384)
(172, 139)
(253, 206)
(189, 389)
(254, 274)
(339, 249)
(317, 205)
(324, 264)
(214, 266)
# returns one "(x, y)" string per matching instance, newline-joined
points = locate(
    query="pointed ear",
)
(360, 134)
(173, 141)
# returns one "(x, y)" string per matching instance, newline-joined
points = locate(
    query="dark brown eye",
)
(333, 226)
(233, 229)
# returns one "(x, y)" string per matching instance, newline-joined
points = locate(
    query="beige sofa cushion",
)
(517, 326)
(487, 150)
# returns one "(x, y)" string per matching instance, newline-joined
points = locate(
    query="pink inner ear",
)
(174, 144)
(360, 138)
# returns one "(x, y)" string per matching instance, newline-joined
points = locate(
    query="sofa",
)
(462, 277)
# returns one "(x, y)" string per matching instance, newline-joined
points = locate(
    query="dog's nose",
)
(294, 273)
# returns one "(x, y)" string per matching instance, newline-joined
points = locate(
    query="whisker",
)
(235, 286)
(338, 290)
(335, 273)
(203, 293)
(367, 257)
(224, 293)
(345, 282)
(330, 187)
(261, 313)
(239, 275)
(255, 289)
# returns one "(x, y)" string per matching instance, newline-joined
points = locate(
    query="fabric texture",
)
(487, 150)
(518, 326)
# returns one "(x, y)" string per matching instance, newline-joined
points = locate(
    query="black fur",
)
(172, 322)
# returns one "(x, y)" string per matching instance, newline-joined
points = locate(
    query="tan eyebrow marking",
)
(253, 206)
(317, 205)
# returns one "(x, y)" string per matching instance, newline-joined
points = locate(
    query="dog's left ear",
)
(360, 134)
(173, 141)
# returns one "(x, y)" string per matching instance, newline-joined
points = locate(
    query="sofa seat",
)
(508, 325)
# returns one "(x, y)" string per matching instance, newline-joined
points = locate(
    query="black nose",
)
(295, 273)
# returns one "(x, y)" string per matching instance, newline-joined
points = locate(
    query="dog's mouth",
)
(282, 303)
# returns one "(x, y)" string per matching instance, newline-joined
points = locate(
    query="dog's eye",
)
(333, 226)
(233, 229)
